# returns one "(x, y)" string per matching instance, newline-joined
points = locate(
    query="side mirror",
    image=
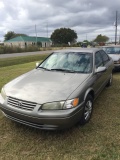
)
(37, 64)
(100, 69)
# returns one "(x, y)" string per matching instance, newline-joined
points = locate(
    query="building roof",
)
(29, 39)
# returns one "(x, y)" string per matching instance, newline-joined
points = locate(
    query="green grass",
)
(97, 140)
(20, 60)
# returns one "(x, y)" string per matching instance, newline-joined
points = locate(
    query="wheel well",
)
(92, 94)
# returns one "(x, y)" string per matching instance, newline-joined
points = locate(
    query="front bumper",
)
(56, 119)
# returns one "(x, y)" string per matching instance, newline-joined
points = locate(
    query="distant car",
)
(60, 91)
(84, 45)
(114, 53)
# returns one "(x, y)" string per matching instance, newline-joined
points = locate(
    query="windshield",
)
(112, 50)
(69, 62)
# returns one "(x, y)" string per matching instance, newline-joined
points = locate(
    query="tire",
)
(87, 111)
(110, 81)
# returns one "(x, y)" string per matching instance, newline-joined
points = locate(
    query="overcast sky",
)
(87, 17)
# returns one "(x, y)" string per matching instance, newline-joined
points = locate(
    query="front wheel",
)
(110, 80)
(87, 111)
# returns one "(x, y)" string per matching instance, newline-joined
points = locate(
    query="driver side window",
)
(98, 60)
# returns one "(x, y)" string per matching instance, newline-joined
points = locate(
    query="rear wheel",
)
(87, 112)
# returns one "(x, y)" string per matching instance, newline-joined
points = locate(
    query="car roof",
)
(89, 50)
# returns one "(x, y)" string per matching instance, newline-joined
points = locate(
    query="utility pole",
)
(116, 28)
(86, 37)
(36, 34)
(47, 29)
(119, 37)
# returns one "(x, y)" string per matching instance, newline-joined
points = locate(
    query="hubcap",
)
(88, 110)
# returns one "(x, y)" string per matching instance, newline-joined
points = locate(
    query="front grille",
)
(25, 105)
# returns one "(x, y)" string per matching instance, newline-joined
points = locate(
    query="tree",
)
(101, 39)
(11, 34)
(63, 36)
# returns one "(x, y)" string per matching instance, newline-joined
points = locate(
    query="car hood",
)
(42, 86)
(115, 57)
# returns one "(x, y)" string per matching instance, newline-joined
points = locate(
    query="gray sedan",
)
(60, 91)
(114, 53)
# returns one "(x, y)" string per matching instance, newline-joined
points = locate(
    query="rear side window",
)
(117, 50)
(104, 57)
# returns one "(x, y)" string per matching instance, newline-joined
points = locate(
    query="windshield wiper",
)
(63, 70)
(44, 68)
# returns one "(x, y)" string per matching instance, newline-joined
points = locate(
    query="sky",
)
(88, 18)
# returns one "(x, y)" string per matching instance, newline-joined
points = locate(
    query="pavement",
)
(24, 54)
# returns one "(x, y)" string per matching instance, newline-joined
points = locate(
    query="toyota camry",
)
(60, 91)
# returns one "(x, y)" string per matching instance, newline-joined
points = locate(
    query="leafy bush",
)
(1, 50)
(8, 49)
(60, 45)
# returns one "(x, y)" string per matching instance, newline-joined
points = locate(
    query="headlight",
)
(53, 106)
(61, 105)
(3, 93)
